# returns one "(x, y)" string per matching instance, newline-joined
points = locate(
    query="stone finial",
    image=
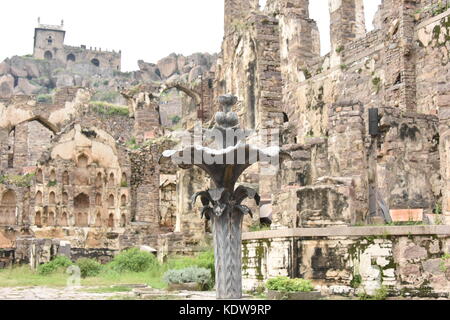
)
(227, 102)
(227, 119)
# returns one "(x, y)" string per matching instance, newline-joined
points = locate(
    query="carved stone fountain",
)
(225, 163)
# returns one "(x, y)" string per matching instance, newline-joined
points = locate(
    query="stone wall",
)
(409, 261)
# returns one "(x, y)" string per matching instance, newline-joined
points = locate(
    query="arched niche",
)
(111, 202)
(82, 161)
(123, 220)
(63, 221)
(81, 202)
(123, 200)
(81, 174)
(38, 198)
(124, 180)
(39, 176)
(38, 219)
(98, 200)
(8, 208)
(99, 180)
(52, 198)
(65, 198)
(82, 219)
(111, 221)
(65, 178)
(51, 219)
(98, 220)
(111, 180)
(52, 176)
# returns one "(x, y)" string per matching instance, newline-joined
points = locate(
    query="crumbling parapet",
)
(347, 23)
(400, 67)
(236, 11)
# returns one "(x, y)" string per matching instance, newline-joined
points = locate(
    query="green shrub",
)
(285, 284)
(54, 265)
(89, 267)
(133, 260)
(201, 276)
(17, 180)
(44, 98)
(176, 119)
(52, 183)
(259, 227)
(202, 260)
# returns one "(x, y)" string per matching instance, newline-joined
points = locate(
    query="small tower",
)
(49, 41)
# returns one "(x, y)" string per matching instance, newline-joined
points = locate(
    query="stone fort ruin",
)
(367, 126)
(49, 45)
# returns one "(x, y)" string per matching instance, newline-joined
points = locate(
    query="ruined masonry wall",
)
(408, 265)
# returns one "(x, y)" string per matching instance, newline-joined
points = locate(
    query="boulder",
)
(186, 69)
(168, 66)
(149, 71)
(32, 69)
(198, 59)
(196, 72)
(6, 86)
(64, 80)
(181, 62)
(18, 72)
(25, 87)
(4, 68)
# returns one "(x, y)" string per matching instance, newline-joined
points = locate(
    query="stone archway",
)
(48, 55)
(70, 57)
(95, 62)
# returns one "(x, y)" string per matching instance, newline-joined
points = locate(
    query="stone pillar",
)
(236, 11)
(4, 136)
(398, 29)
(347, 23)
(444, 134)
(145, 179)
(347, 153)
(268, 111)
(21, 146)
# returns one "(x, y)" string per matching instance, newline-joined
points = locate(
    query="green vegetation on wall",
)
(17, 180)
(109, 109)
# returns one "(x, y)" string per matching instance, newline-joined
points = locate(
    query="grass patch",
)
(259, 227)
(23, 276)
(106, 96)
(128, 268)
(109, 109)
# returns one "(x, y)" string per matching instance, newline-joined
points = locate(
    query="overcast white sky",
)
(147, 30)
